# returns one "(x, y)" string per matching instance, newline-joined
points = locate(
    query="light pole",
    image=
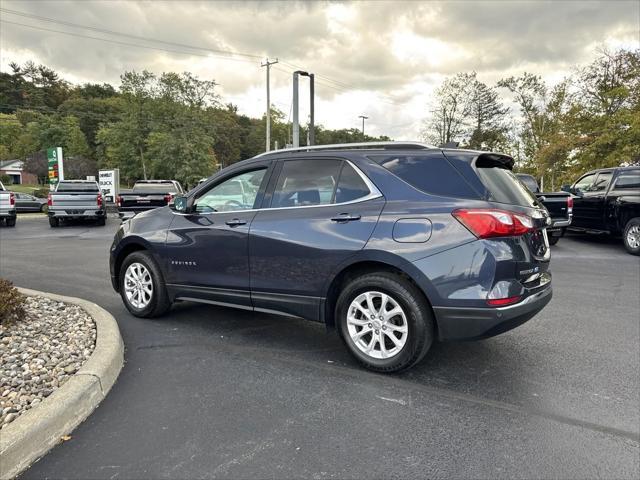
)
(363, 117)
(296, 122)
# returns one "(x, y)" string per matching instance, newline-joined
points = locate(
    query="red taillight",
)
(167, 198)
(12, 199)
(489, 222)
(501, 302)
(99, 200)
(570, 204)
(118, 201)
(49, 200)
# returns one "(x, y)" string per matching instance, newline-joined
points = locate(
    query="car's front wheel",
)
(631, 236)
(385, 321)
(142, 286)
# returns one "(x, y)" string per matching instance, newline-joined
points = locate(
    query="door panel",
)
(294, 251)
(207, 249)
(581, 213)
(592, 203)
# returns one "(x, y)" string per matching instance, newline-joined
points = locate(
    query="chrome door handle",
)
(235, 222)
(345, 217)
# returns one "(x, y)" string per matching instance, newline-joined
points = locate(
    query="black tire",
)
(53, 222)
(11, 222)
(553, 239)
(418, 313)
(159, 302)
(101, 222)
(632, 229)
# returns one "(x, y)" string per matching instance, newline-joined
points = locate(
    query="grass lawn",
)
(25, 188)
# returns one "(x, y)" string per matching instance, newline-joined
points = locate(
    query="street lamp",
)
(363, 117)
(296, 123)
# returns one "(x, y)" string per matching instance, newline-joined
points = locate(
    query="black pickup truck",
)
(558, 204)
(147, 195)
(607, 201)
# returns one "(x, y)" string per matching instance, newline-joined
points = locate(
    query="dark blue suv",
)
(393, 244)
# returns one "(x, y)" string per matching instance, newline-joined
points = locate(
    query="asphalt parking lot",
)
(212, 392)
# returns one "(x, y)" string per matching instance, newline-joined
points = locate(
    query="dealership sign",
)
(109, 181)
(56, 165)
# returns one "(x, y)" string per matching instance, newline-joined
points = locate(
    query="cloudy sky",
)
(380, 59)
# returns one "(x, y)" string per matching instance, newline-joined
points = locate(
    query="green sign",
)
(54, 159)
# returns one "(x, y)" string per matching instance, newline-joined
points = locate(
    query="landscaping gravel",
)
(39, 353)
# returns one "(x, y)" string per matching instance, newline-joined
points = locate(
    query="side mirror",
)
(566, 188)
(179, 204)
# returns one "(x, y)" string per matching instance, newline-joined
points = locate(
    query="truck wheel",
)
(142, 286)
(53, 222)
(631, 236)
(385, 321)
(101, 221)
(11, 222)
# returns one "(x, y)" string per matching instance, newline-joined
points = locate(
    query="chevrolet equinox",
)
(393, 244)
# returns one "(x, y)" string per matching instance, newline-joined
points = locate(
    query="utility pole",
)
(268, 139)
(363, 119)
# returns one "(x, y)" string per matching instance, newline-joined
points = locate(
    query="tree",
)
(450, 110)
(487, 117)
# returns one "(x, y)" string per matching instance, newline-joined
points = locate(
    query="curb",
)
(33, 434)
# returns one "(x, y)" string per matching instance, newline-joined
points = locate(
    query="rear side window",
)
(429, 173)
(350, 185)
(629, 180)
(504, 186)
(77, 187)
(304, 183)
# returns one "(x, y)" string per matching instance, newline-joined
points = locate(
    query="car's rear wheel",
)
(385, 321)
(11, 222)
(631, 236)
(53, 222)
(553, 239)
(101, 222)
(142, 286)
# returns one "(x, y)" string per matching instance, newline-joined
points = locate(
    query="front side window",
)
(304, 183)
(235, 193)
(602, 182)
(584, 183)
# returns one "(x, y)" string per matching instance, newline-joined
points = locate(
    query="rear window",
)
(628, 180)
(77, 187)
(504, 187)
(430, 173)
(529, 182)
(167, 187)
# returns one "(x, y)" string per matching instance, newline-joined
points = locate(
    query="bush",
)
(41, 192)
(11, 302)
(6, 179)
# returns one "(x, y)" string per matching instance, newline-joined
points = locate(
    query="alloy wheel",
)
(633, 236)
(138, 285)
(377, 325)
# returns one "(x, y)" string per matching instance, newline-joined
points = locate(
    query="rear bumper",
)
(455, 323)
(8, 213)
(560, 223)
(77, 213)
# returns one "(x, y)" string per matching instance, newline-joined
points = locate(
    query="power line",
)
(126, 44)
(122, 34)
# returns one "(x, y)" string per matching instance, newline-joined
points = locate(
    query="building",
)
(14, 169)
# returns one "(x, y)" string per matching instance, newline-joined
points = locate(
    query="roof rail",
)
(352, 146)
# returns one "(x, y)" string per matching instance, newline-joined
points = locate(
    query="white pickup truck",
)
(76, 199)
(7, 207)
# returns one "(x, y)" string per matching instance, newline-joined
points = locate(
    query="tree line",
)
(177, 125)
(152, 126)
(591, 119)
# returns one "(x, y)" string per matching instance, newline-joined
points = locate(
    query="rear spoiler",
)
(499, 160)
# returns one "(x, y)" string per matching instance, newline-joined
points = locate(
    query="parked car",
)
(76, 199)
(29, 203)
(558, 204)
(147, 195)
(7, 207)
(607, 201)
(393, 244)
